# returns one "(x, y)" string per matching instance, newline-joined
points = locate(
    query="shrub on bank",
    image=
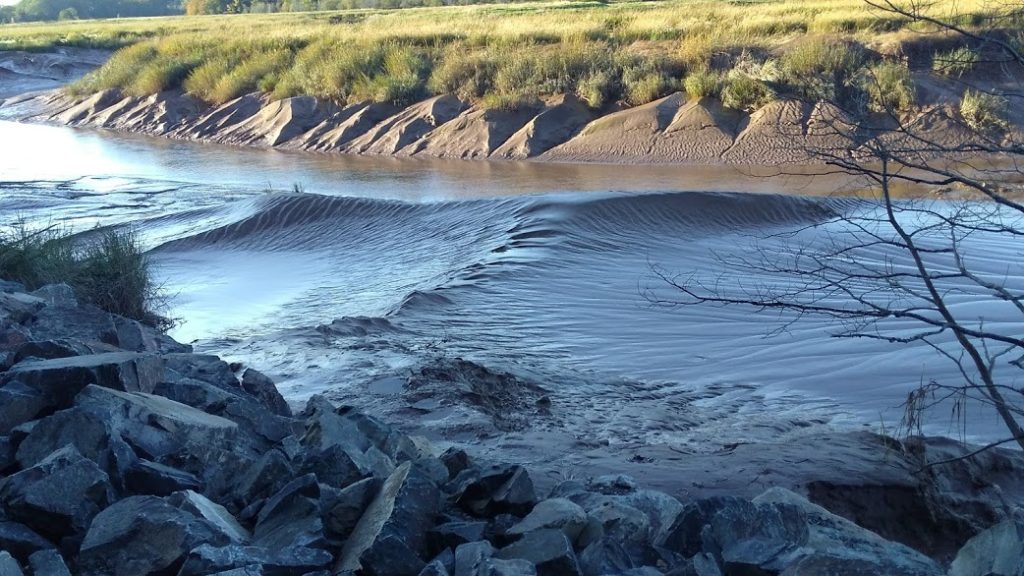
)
(983, 111)
(703, 84)
(956, 62)
(889, 87)
(110, 271)
(823, 68)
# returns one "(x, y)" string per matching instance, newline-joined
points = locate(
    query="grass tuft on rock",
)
(108, 269)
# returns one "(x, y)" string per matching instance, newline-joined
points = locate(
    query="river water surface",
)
(378, 267)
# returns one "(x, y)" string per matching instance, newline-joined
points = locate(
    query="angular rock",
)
(264, 477)
(9, 566)
(20, 540)
(684, 535)
(455, 460)
(206, 559)
(998, 551)
(291, 518)
(142, 535)
(57, 295)
(495, 490)
(61, 379)
(18, 307)
(19, 403)
(337, 467)
(549, 550)
(454, 534)
(158, 427)
(49, 350)
(59, 496)
(202, 367)
(214, 514)
(836, 545)
(391, 537)
(154, 479)
(48, 563)
(752, 536)
(343, 511)
(6, 454)
(263, 389)
(89, 433)
(553, 513)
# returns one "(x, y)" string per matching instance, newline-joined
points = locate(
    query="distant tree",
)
(68, 13)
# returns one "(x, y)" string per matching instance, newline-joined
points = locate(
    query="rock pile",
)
(123, 453)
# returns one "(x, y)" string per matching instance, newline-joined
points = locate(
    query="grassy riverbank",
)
(505, 56)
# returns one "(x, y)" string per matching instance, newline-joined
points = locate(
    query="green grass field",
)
(505, 56)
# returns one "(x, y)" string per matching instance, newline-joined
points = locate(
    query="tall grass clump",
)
(744, 92)
(647, 78)
(109, 271)
(955, 62)
(468, 76)
(889, 87)
(983, 111)
(823, 68)
(703, 84)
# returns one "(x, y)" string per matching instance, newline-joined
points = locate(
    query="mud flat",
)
(675, 129)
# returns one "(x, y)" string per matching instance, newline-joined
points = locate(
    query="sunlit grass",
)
(504, 56)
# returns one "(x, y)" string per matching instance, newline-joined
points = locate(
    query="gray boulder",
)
(998, 551)
(61, 379)
(51, 349)
(48, 563)
(836, 545)
(20, 540)
(201, 367)
(158, 427)
(143, 535)
(19, 403)
(144, 477)
(749, 536)
(18, 307)
(6, 454)
(263, 477)
(57, 295)
(9, 566)
(495, 490)
(207, 559)
(390, 538)
(89, 433)
(342, 511)
(291, 517)
(477, 559)
(59, 496)
(263, 389)
(214, 514)
(549, 550)
(454, 534)
(558, 513)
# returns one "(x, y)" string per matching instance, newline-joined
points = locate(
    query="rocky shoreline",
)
(124, 453)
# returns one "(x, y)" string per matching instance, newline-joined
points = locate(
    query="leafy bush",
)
(109, 271)
(984, 111)
(743, 91)
(703, 84)
(889, 87)
(956, 62)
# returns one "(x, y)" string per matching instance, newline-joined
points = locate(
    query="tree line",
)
(40, 10)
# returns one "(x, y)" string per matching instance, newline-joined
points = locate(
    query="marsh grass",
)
(109, 269)
(984, 112)
(501, 55)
